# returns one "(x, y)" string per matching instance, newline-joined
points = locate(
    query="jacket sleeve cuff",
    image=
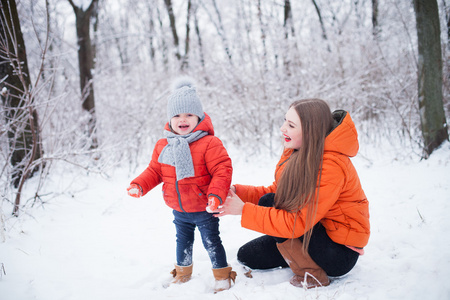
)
(214, 195)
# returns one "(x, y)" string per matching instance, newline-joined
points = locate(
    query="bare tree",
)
(185, 63)
(152, 32)
(288, 22)
(447, 19)
(288, 30)
(219, 27)
(19, 111)
(173, 27)
(165, 48)
(95, 24)
(154, 19)
(86, 64)
(431, 108)
(19, 100)
(319, 14)
(262, 27)
(375, 26)
(199, 37)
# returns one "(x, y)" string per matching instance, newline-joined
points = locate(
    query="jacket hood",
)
(343, 138)
(204, 125)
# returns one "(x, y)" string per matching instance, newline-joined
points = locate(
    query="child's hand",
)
(232, 206)
(213, 203)
(134, 190)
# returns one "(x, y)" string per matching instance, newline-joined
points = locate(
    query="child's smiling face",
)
(292, 130)
(183, 123)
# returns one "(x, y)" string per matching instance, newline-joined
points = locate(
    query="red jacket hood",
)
(343, 138)
(204, 125)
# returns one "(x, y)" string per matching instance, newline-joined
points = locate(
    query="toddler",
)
(195, 170)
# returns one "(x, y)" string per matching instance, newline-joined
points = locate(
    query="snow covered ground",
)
(95, 242)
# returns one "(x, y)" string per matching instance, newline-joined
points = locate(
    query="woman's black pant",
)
(262, 253)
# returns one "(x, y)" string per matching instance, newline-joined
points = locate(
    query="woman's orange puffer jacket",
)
(212, 167)
(342, 209)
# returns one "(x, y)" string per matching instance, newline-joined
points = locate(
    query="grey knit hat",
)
(184, 99)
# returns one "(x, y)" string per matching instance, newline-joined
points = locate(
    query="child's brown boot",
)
(181, 274)
(223, 277)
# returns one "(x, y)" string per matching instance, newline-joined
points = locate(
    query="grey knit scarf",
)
(177, 153)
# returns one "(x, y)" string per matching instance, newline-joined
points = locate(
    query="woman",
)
(315, 215)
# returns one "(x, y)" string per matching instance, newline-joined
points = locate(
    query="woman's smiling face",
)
(292, 130)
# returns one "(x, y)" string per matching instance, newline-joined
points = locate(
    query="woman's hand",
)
(233, 205)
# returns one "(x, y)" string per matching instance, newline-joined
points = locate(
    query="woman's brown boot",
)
(307, 273)
(181, 274)
(223, 277)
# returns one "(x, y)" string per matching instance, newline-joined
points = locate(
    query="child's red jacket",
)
(212, 167)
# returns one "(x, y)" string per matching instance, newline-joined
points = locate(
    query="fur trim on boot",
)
(223, 277)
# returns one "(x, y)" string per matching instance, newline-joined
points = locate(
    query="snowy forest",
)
(92, 79)
(99, 104)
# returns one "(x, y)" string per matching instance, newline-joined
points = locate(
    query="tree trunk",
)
(324, 32)
(220, 29)
(95, 21)
(263, 35)
(447, 19)
(151, 29)
(431, 107)
(173, 27)
(165, 49)
(288, 23)
(187, 41)
(288, 29)
(20, 113)
(375, 27)
(17, 98)
(86, 64)
(199, 37)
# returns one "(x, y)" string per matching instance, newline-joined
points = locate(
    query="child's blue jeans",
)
(208, 225)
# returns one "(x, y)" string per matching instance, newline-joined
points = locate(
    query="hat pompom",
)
(183, 81)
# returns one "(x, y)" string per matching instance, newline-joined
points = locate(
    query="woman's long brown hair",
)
(297, 186)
